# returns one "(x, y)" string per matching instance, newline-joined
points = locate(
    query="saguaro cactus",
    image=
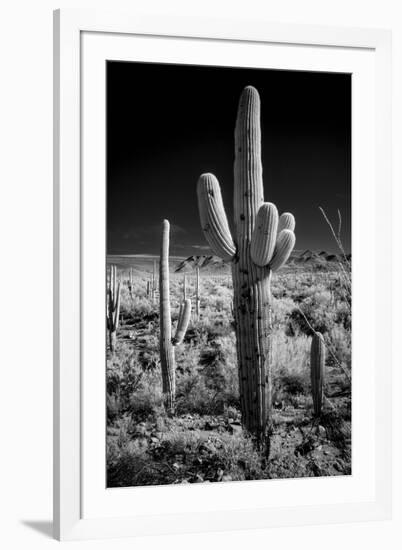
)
(197, 291)
(130, 282)
(317, 365)
(184, 287)
(154, 287)
(167, 343)
(255, 250)
(113, 307)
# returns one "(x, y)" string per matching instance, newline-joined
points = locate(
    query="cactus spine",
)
(113, 307)
(254, 246)
(317, 365)
(167, 343)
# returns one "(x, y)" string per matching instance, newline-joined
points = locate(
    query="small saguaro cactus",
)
(167, 343)
(260, 244)
(130, 282)
(197, 291)
(113, 307)
(184, 286)
(154, 287)
(317, 366)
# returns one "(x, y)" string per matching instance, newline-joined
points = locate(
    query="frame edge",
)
(67, 24)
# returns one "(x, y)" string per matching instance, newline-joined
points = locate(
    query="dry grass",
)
(205, 441)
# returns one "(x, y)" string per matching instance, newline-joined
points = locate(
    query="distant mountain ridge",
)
(308, 257)
(320, 258)
(192, 262)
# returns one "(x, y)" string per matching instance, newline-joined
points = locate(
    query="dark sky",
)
(167, 124)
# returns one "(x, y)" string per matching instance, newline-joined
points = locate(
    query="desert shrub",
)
(113, 406)
(210, 381)
(289, 354)
(149, 359)
(131, 388)
(219, 369)
(219, 299)
(231, 413)
(146, 402)
(182, 456)
(302, 293)
(293, 384)
(240, 459)
(281, 286)
(148, 355)
(193, 395)
(221, 457)
(339, 342)
(315, 312)
(290, 360)
(143, 312)
(281, 311)
(136, 306)
(134, 302)
(343, 315)
(215, 324)
(338, 431)
(212, 361)
(125, 377)
(187, 358)
(125, 458)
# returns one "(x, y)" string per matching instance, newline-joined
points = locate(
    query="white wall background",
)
(26, 269)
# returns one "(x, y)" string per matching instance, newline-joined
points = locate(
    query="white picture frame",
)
(83, 507)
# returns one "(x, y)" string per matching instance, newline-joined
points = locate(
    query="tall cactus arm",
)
(113, 301)
(283, 249)
(180, 311)
(108, 310)
(116, 311)
(182, 323)
(264, 235)
(286, 221)
(213, 218)
(248, 186)
(317, 364)
(165, 321)
(113, 307)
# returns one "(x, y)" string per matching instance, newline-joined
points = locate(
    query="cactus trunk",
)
(113, 307)
(166, 342)
(166, 348)
(251, 283)
(197, 292)
(255, 251)
(252, 313)
(317, 366)
(112, 340)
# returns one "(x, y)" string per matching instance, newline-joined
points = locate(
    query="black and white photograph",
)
(228, 261)
(201, 297)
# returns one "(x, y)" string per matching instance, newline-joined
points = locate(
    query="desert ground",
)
(204, 440)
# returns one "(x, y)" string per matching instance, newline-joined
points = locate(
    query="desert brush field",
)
(204, 440)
